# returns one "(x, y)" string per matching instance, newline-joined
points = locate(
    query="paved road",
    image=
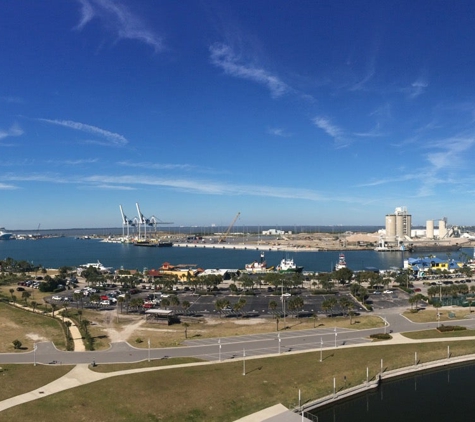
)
(226, 348)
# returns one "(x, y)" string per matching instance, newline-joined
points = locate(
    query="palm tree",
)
(53, 308)
(347, 306)
(185, 305)
(165, 303)
(186, 325)
(273, 307)
(11, 293)
(34, 304)
(220, 305)
(25, 295)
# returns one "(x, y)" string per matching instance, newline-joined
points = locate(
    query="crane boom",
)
(225, 235)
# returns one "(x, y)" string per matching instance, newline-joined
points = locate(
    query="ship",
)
(153, 244)
(433, 247)
(288, 266)
(341, 262)
(257, 266)
(5, 235)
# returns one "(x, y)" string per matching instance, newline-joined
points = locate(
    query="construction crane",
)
(225, 235)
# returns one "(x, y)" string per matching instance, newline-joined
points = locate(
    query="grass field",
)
(28, 327)
(220, 392)
(430, 314)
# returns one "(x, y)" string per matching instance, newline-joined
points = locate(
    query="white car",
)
(105, 302)
(389, 292)
(56, 297)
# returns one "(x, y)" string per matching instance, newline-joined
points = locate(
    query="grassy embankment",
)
(220, 392)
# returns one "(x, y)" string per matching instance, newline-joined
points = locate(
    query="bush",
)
(381, 336)
(16, 344)
(450, 328)
(138, 340)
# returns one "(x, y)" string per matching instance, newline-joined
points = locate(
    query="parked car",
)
(389, 292)
(105, 302)
(56, 297)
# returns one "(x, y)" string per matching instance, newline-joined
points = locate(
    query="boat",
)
(288, 266)
(341, 262)
(257, 266)
(165, 244)
(5, 235)
(433, 247)
(97, 265)
(153, 244)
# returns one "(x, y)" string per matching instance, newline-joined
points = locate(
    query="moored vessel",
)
(287, 265)
(341, 262)
(257, 266)
(5, 235)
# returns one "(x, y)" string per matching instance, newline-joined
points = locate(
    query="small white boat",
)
(341, 262)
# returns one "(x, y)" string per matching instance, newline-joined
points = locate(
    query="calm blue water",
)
(57, 252)
(437, 396)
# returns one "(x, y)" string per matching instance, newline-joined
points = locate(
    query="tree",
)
(25, 295)
(273, 306)
(186, 325)
(11, 292)
(16, 344)
(220, 305)
(329, 304)
(34, 304)
(347, 306)
(165, 303)
(53, 308)
(185, 305)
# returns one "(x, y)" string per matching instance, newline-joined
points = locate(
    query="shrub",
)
(381, 336)
(450, 328)
(16, 344)
(138, 340)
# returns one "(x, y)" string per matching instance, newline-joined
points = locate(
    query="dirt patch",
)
(35, 337)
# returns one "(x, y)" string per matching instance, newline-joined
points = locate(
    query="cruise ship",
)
(5, 235)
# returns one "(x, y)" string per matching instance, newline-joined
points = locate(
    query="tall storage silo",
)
(400, 225)
(442, 229)
(430, 229)
(390, 226)
(408, 225)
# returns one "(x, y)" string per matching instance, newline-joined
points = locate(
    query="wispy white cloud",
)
(113, 139)
(278, 132)
(224, 57)
(417, 88)
(12, 100)
(452, 151)
(14, 130)
(4, 186)
(80, 162)
(119, 20)
(329, 128)
(157, 166)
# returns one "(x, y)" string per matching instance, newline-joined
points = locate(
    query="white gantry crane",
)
(144, 222)
(126, 222)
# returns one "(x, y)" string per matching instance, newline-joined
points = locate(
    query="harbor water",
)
(70, 251)
(436, 396)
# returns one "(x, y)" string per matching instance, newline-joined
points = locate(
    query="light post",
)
(219, 343)
(278, 337)
(244, 361)
(385, 325)
(335, 336)
(34, 354)
(149, 349)
(321, 349)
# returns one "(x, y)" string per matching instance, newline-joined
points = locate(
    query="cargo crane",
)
(152, 221)
(225, 235)
(126, 222)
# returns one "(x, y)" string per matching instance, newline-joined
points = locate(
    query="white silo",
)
(442, 229)
(430, 229)
(390, 226)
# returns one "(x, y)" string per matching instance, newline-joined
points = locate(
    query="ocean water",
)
(69, 251)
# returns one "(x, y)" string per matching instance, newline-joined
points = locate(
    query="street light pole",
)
(149, 349)
(278, 335)
(219, 343)
(321, 349)
(244, 361)
(34, 354)
(335, 337)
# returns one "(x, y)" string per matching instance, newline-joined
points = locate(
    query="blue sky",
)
(307, 112)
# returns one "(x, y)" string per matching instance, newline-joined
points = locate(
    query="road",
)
(229, 347)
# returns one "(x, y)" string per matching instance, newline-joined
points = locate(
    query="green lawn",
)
(220, 392)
